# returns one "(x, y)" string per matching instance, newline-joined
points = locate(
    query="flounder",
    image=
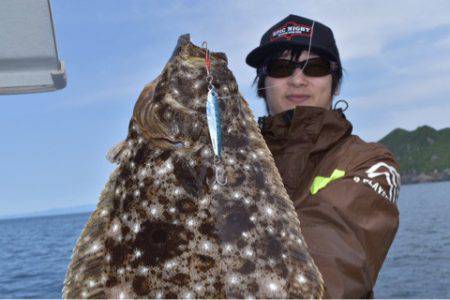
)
(167, 227)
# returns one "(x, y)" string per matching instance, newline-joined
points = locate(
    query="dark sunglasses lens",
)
(279, 68)
(317, 67)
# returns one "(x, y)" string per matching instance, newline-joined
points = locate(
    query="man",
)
(344, 189)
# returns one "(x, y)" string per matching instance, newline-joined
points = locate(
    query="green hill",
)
(423, 154)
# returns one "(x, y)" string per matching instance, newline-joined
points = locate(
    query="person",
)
(344, 190)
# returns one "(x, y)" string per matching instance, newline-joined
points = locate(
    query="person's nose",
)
(297, 78)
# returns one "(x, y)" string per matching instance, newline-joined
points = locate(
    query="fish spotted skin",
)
(165, 228)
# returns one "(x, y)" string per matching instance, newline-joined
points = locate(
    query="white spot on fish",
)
(247, 167)
(140, 140)
(169, 265)
(191, 162)
(95, 247)
(86, 239)
(206, 152)
(187, 295)
(124, 217)
(108, 257)
(269, 211)
(137, 193)
(153, 211)
(233, 279)
(301, 279)
(254, 156)
(245, 234)
(165, 168)
(121, 295)
(284, 256)
(231, 161)
(143, 173)
(273, 287)
(103, 279)
(91, 283)
(247, 201)
(143, 270)
(205, 245)
(248, 252)
(177, 191)
(204, 201)
(270, 229)
(121, 271)
(158, 295)
(103, 213)
(190, 222)
(118, 191)
(227, 248)
(236, 195)
(197, 84)
(215, 187)
(250, 297)
(253, 218)
(172, 210)
(199, 287)
(84, 294)
(115, 227)
(132, 165)
(136, 228)
(260, 152)
(175, 91)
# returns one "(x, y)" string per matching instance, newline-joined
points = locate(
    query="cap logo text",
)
(290, 30)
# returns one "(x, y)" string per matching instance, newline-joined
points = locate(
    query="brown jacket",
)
(350, 219)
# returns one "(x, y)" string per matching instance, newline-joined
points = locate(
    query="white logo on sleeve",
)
(382, 169)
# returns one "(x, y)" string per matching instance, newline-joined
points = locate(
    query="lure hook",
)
(220, 174)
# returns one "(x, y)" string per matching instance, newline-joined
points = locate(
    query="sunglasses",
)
(313, 67)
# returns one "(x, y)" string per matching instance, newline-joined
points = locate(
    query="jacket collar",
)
(319, 127)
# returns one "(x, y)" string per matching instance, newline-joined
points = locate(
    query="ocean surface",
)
(35, 252)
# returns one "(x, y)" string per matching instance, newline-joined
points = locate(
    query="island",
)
(423, 154)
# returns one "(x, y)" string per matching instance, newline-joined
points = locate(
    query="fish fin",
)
(87, 261)
(117, 154)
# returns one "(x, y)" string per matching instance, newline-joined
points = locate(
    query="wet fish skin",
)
(164, 228)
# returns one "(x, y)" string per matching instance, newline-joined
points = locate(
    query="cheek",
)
(274, 87)
(323, 85)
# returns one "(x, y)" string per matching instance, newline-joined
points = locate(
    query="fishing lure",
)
(214, 120)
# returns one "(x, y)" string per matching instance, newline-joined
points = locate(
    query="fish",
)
(175, 220)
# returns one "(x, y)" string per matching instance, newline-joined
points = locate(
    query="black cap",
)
(295, 31)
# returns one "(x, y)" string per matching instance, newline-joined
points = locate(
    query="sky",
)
(395, 54)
